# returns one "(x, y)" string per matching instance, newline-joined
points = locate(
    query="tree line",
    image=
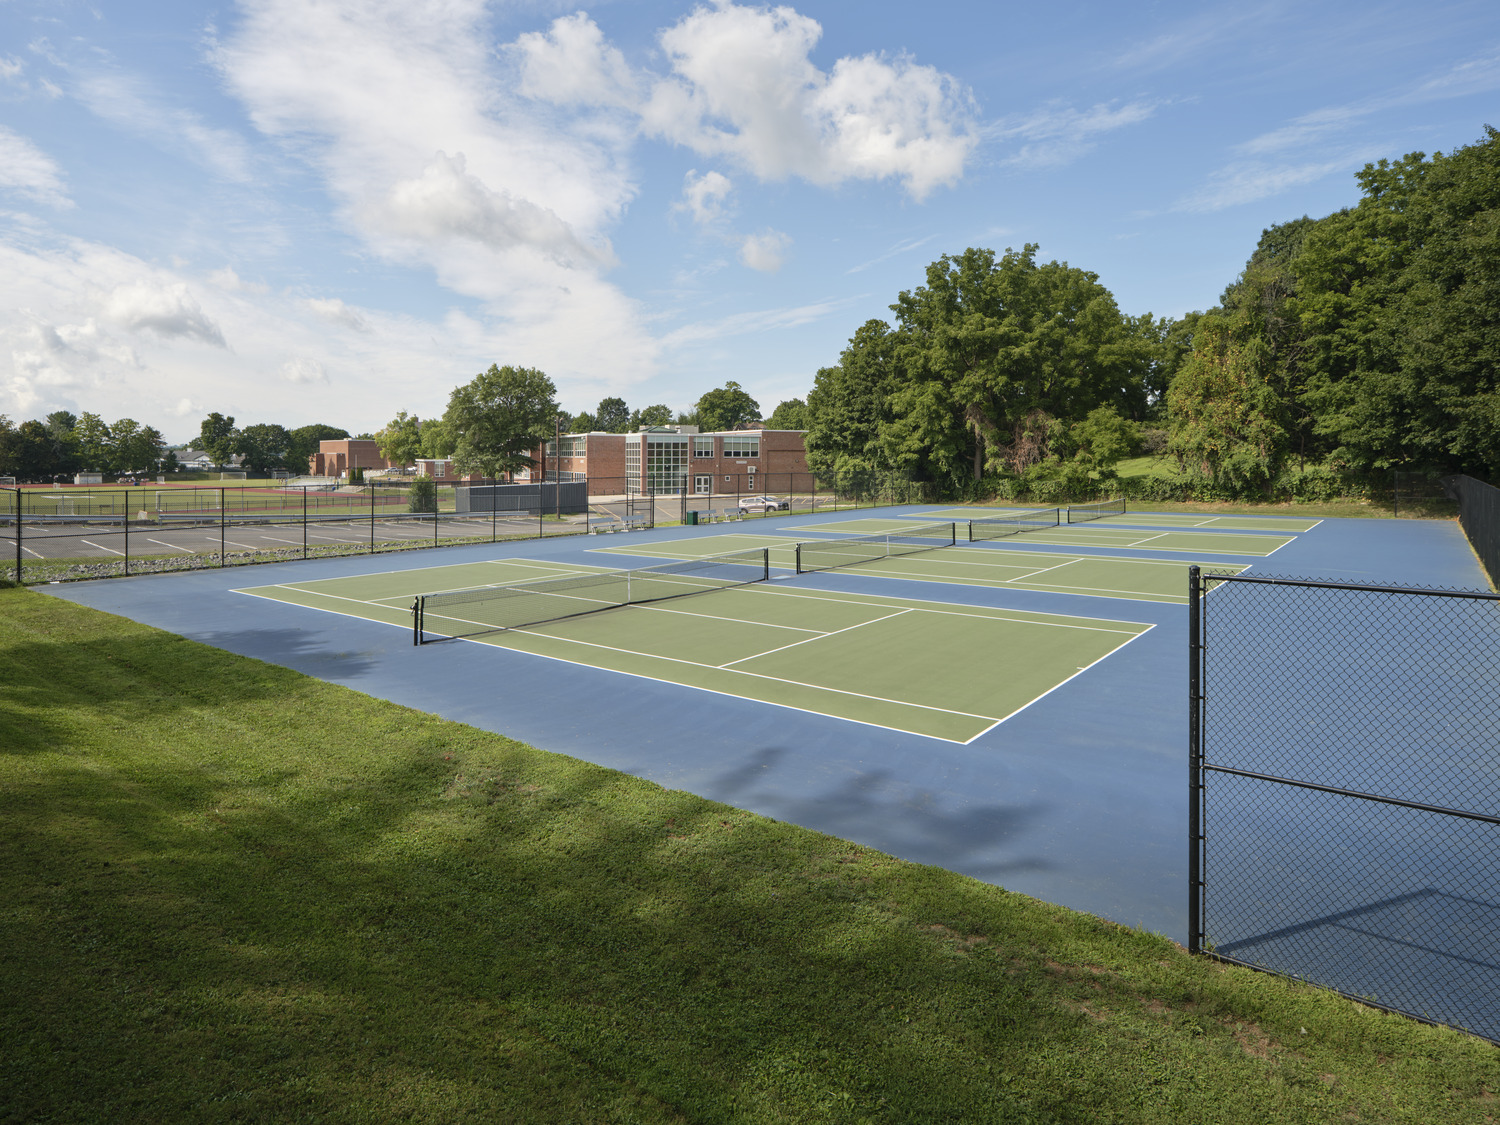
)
(64, 443)
(1365, 341)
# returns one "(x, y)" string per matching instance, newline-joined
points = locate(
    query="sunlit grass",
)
(230, 892)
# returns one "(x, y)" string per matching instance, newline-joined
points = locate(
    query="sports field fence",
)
(1479, 516)
(1344, 815)
(63, 533)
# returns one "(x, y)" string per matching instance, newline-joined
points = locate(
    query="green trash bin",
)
(692, 519)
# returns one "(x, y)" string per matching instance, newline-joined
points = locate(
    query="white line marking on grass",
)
(805, 640)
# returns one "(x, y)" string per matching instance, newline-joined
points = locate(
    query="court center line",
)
(834, 633)
(761, 590)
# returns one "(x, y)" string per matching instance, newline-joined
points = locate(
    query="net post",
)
(416, 620)
(1195, 761)
(971, 531)
(766, 566)
(799, 558)
(953, 534)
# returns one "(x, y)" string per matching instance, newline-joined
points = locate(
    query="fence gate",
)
(1345, 789)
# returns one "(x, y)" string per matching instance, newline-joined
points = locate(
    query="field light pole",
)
(557, 468)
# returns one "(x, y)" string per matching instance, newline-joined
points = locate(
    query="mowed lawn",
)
(232, 893)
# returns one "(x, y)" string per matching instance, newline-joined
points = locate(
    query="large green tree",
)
(265, 446)
(94, 443)
(400, 442)
(726, 407)
(613, 416)
(847, 406)
(790, 414)
(218, 437)
(135, 448)
(987, 344)
(499, 417)
(658, 414)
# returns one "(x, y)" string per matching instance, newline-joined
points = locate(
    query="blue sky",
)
(304, 211)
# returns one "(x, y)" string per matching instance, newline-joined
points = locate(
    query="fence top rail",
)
(1370, 587)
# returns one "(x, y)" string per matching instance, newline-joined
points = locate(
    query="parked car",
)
(750, 504)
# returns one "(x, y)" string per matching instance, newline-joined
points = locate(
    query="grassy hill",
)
(229, 892)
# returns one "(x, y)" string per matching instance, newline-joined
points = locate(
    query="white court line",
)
(854, 599)
(805, 640)
(663, 607)
(758, 676)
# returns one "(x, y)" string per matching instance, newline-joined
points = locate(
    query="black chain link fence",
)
(1345, 789)
(1479, 516)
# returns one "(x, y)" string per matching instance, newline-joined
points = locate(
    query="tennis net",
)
(830, 553)
(1082, 513)
(1001, 526)
(486, 609)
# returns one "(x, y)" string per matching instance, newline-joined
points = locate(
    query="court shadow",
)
(879, 809)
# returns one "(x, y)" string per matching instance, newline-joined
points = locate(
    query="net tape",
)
(483, 609)
(830, 553)
(1082, 513)
(999, 528)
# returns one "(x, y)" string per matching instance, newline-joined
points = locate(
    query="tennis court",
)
(943, 671)
(1289, 524)
(994, 566)
(1087, 535)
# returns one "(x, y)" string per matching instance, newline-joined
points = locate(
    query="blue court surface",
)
(1078, 797)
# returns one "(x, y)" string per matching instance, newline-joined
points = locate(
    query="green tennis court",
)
(993, 565)
(1212, 522)
(1085, 535)
(929, 668)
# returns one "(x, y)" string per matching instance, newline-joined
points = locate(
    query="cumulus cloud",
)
(167, 309)
(570, 64)
(704, 196)
(333, 310)
(765, 251)
(744, 87)
(11, 68)
(231, 282)
(28, 171)
(434, 163)
(445, 202)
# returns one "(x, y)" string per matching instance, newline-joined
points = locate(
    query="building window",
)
(633, 464)
(742, 446)
(666, 464)
(703, 447)
(703, 485)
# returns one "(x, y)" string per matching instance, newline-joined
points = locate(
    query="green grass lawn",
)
(232, 893)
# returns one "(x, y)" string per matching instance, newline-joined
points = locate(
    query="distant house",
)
(195, 459)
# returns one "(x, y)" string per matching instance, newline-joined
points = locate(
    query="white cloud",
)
(166, 308)
(765, 251)
(126, 101)
(333, 310)
(302, 369)
(11, 68)
(1058, 134)
(906, 245)
(762, 320)
(744, 87)
(570, 64)
(30, 172)
(446, 202)
(1247, 181)
(433, 163)
(705, 195)
(231, 282)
